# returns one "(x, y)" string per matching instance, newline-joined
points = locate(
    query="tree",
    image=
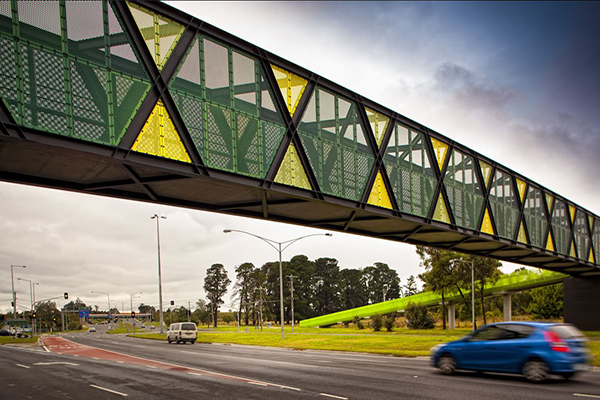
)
(243, 288)
(202, 313)
(377, 323)
(411, 286)
(303, 271)
(215, 286)
(382, 283)
(547, 302)
(417, 317)
(352, 289)
(486, 272)
(326, 298)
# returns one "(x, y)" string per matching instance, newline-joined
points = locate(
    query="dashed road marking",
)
(22, 366)
(333, 396)
(55, 363)
(591, 396)
(109, 390)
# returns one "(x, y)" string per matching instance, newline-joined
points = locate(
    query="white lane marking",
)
(323, 361)
(592, 396)
(23, 366)
(333, 396)
(109, 390)
(55, 363)
(258, 383)
(151, 366)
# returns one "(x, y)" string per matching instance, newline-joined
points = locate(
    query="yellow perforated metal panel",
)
(291, 172)
(379, 124)
(379, 194)
(549, 201)
(550, 242)
(591, 222)
(521, 186)
(160, 138)
(160, 33)
(440, 149)
(441, 211)
(572, 211)
(292, 87)
(572, 252)
(486, 225)
(486, 171)
(522, 236)
(592, 259)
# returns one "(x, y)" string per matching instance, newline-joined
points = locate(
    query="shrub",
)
(390, 322)
(417, 317)
(377, 323)
(358, 323)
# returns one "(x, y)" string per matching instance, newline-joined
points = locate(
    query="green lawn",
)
(11, 340)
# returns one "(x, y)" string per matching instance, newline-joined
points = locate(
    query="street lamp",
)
(280, 250)
(160, 301)
(31, 297)
(131, 299)
(14, 295)
(107, 295)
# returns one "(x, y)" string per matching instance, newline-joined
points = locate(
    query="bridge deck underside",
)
(54, 162)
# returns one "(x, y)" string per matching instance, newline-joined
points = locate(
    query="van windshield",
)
(188, 327)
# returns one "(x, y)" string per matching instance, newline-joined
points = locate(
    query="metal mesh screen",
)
(535, 215)
(504, 205)
(596, 239)
(560, 227)
(581, 235)
(412, 178)
(464, 190)
(226, 105)
(333, 137)
(69, 80)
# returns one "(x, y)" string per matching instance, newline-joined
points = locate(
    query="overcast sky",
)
(517, 82)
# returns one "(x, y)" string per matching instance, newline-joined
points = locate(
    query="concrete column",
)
(507, 307)
(582, 302)
(451, 316)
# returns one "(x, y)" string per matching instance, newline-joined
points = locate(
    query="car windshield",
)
(567, 331)
(188, 327)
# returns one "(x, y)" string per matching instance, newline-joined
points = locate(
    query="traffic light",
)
(33, 315)
(133, 314)
(54, 319)
(66, 296)
(172, 302)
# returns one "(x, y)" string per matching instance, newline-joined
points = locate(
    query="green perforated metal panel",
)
(503, 202)
(560, 227)
(228, 108)
(410, 171)
(336, 146)
(596, 239)
(76, 71)
(536, 217)
(581, 235)
(464, 190)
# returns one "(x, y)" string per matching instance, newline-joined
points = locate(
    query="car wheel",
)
(169, 340)
(568, 375)
(193, 341)
(536, 371)
(447, 364)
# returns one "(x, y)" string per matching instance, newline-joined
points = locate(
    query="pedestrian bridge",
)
(140, 101)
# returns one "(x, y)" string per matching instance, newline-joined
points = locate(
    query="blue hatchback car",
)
(534, 349)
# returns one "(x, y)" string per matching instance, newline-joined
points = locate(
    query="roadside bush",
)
(417, 317)
(389, 322)
(377, 323)
(358, 323)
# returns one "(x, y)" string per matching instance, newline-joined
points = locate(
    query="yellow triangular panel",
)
(572, 211)
(486, 225)
(521, 186)
(379, 194)
(160, 34)
(572, 253)
(291, 86)
(160, 138)
(591, 259)
(549, 243)
(591, 221)
(549, 201)
(441, 211)
(440, 149)
(379, 124)
(522, 237)
(486, 171)
(291, 172)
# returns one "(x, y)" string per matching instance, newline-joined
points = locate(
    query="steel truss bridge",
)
(138, 100)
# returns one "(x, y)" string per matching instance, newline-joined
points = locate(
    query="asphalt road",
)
(146, 369)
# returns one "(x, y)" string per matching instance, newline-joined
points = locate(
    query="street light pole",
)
(292, 297)
(160, 298)
(14, 295)
(280, 250)
(107, 295)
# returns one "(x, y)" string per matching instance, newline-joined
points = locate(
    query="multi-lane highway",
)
(100, 366)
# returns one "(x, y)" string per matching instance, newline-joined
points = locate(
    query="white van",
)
(182, 332)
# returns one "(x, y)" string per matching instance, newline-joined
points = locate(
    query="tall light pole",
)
(280, 248)
(160, 301)
(14, 295)
(30, 290)
(107, 295)
(131, 299)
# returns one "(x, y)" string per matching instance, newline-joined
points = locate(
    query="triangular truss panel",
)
(335, 142)
(440, 212)
(536, 216)
(581, 235)
(160, 138)
(441, 150)
(596, 239)
(379, 194)
(522, 237)
(292, 172)
(504, 206)
(379, 124)
(411, 173)
(486, 171)
(561, 227)
(228, 108)
(486, 225)
(160, 33)
(464, 190)
(291, 86)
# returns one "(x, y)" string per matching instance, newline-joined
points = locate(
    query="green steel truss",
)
(150, 87)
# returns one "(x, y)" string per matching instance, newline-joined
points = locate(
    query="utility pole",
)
(189, 311)
(292, 297)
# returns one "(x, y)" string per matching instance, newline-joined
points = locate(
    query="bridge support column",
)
(451, 316)
(582, 302)
(506, 307)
